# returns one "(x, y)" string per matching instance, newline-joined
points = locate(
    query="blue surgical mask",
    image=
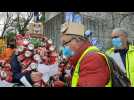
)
(67, 52)
(117, 43)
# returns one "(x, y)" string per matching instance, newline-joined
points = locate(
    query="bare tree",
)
(124, 15)
(8, 22)
(22, 22)
(17, 21)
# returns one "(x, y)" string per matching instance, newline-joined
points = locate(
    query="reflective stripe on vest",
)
(75, 77)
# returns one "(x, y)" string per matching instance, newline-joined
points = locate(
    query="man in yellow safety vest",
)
(90, 68)
(122, 52)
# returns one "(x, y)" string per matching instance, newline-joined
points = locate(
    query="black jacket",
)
(16, 69)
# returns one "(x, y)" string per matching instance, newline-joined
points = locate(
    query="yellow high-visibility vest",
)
(75, 77)
(129, 62)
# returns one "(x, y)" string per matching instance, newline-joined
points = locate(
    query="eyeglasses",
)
(115, 37)
(65, 43)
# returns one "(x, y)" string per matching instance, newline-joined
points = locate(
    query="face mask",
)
(117, 43)
(67, 52)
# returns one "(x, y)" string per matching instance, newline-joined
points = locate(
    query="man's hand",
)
(58, 84)
(36, 76)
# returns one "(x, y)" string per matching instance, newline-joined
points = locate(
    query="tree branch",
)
(28, 19)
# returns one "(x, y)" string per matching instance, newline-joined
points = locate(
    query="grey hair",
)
(123, 30)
